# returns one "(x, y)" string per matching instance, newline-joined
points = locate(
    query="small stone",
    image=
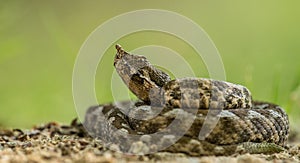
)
(139, 148)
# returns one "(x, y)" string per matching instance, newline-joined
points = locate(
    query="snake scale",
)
(151, 124)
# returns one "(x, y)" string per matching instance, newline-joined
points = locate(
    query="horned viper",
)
(170, 114)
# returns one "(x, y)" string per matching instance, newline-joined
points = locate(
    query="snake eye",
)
(137, 79)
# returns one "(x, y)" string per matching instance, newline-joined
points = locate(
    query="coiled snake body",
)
(232, 121)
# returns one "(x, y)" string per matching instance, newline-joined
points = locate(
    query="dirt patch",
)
(54, 142)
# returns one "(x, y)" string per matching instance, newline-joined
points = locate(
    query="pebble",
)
(44, 144)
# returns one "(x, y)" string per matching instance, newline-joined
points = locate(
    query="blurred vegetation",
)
(258, 42)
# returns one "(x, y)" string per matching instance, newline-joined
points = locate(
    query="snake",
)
(170, 115)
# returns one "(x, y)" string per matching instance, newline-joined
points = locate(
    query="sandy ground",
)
(53, 142)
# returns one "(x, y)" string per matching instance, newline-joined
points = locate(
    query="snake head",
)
(138, 73)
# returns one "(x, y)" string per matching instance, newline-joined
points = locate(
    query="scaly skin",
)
(242, 125)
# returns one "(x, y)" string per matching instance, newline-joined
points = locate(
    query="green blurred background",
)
(259, 42)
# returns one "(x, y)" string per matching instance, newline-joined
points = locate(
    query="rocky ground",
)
(53, 142)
